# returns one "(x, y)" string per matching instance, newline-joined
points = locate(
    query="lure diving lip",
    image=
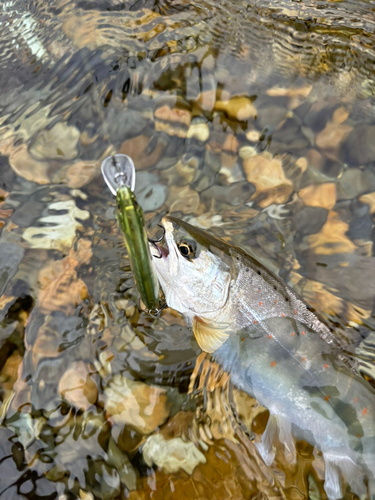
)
(119, 174)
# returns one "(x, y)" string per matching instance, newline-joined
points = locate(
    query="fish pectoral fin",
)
(209, 338)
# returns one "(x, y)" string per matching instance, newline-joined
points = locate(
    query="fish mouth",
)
(160, 245)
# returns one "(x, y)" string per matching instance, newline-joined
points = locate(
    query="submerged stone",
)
(172, 454)
(10, 257)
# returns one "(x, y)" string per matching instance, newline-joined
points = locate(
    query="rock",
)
(77, 387)
(353, 182)
(4, 213)
(27, 428)
(228, 161)
(27, 167)
(290, 92)
(137, 149)
(207, 220)
(172, 120)
(340, 115)
(267, 175)
(230, 145)
(360, 228)
(199, 131)
(237, 108)
(317, 117)
(332, 237)
(61, 289)
(332, 137)
(78, 174)
(236, 194)
(253, 135)
(103, 481)
(370, 200)
(184, 200)
(58, 143)
(309, 220)
(206, 100)
(289, 134)
(359, 147)
(270, 114)
(150, 193)
(59, 230)
(315, 159)
(319, 195)
(9, 372)
(317, 296)
(11, 255)
(172, 455)
(136, 404)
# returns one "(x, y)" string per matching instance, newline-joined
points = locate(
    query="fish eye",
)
(187, 248)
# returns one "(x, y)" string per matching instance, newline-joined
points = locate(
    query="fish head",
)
(193, 268)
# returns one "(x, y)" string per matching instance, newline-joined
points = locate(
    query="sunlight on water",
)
(254, 120)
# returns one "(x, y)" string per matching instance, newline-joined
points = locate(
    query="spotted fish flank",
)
(276, 350)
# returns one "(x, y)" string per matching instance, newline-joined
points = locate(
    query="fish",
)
(276, 349)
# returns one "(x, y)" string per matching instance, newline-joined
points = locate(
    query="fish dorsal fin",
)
(208, 337)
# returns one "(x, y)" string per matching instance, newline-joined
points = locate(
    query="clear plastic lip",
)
(118, 170)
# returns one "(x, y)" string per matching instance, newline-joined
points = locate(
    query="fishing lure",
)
(119, 174)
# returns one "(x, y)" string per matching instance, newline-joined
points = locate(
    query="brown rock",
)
(332, 238)
(77, 387)
(180, 117)
(315, 159)
(267, 175)
(142, 406)
(135, 148)
(172, 454)
(227, 161)
(238, 108)
(78, 174)
(290, 92)
(319, 195)
(207, 100)
(230, 144)
(199, 131)
(317, 296)
(61, 289)
(28, 168)
(253, 135)
(58, 143)
(9, 372)
(332, 137)
(172, 120)
(370, 200)
(184, 200)
(340, 115)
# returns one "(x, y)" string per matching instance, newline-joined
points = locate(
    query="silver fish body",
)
(276, 350)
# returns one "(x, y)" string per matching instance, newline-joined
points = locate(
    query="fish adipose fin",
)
(283, 426)
(208, 337)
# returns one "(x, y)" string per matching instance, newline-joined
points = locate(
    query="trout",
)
(275, 349)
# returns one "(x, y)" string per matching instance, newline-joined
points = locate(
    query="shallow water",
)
(251, 119)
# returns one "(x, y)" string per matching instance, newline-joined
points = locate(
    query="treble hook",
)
(153, 243)
(156, 312)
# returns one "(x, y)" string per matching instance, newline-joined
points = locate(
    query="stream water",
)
(251, 119)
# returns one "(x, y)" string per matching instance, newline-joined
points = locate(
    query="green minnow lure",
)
(119, 173)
